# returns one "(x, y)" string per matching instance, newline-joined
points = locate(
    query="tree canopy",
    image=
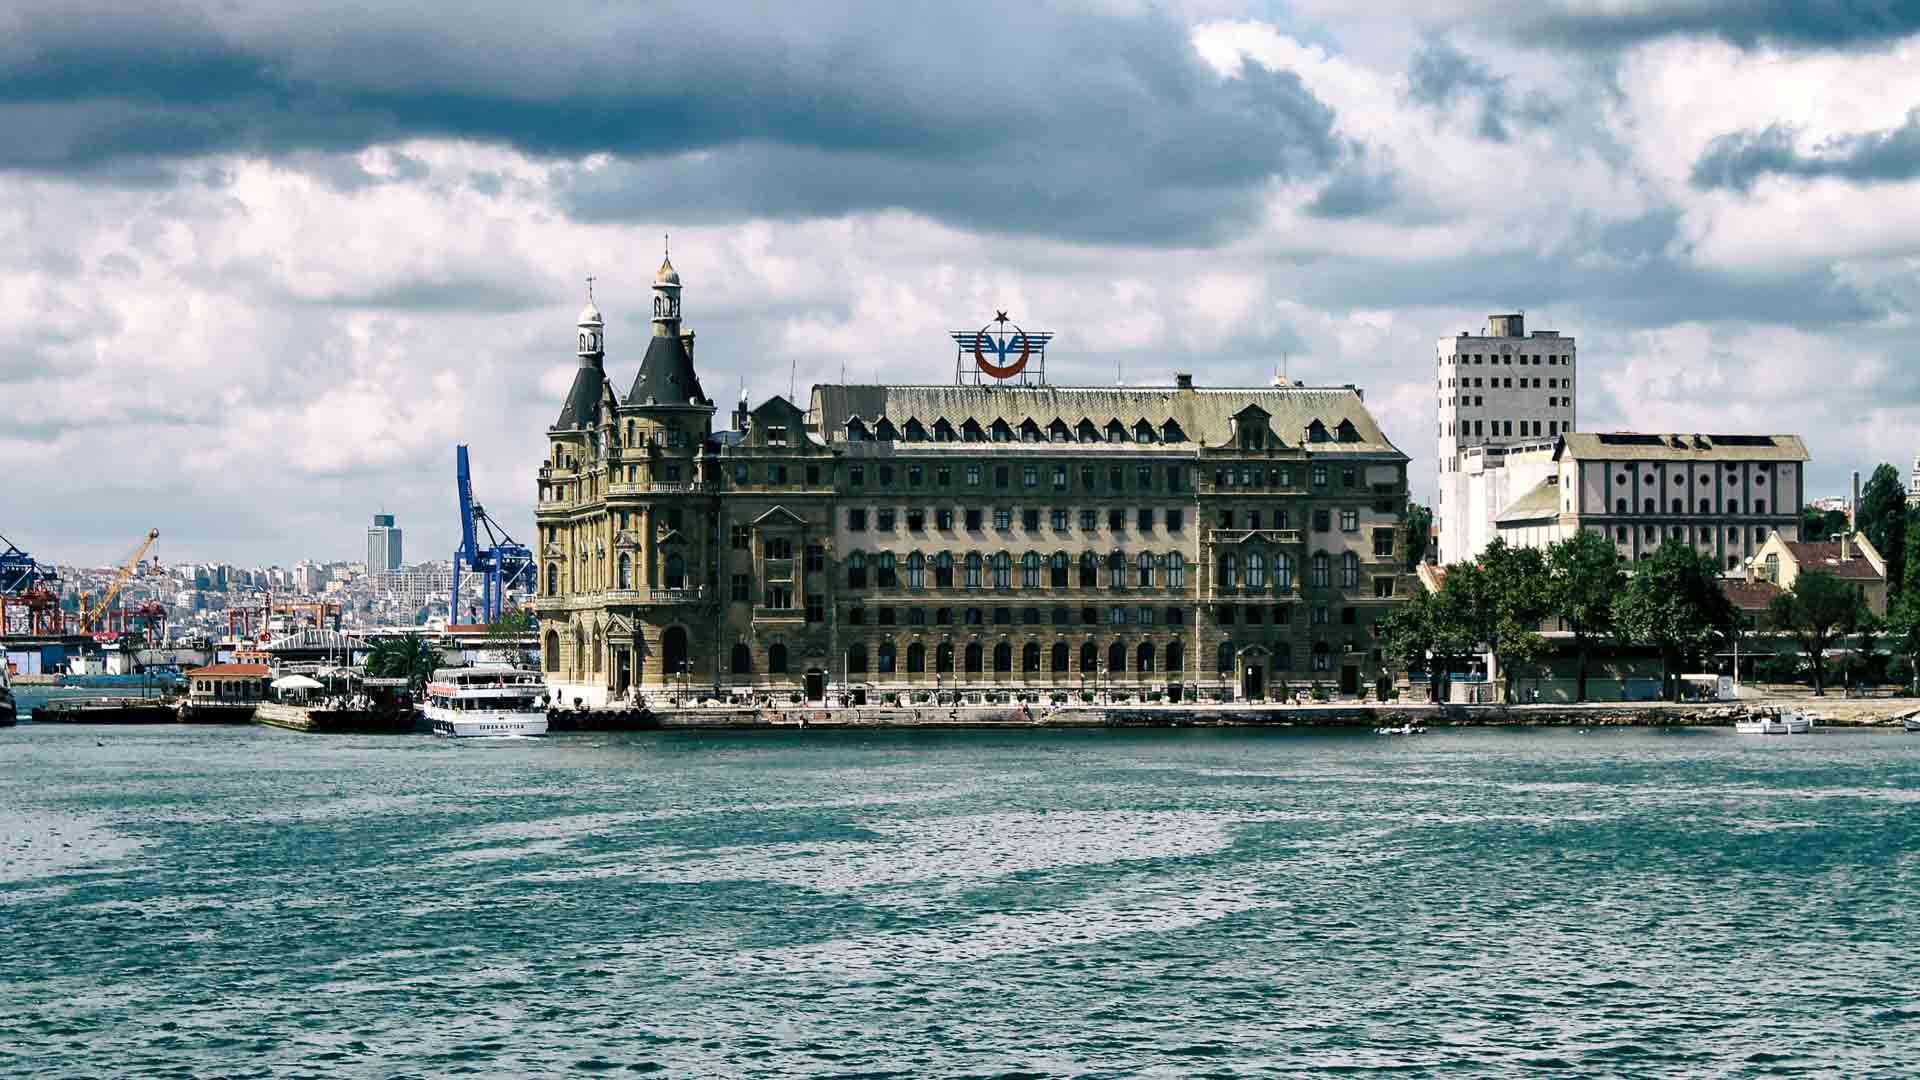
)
(408, 657)
(1883, 517)
(1673, 601)
(1586, 578)
(1819, 609)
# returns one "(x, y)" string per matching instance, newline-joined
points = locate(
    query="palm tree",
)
(407, 657)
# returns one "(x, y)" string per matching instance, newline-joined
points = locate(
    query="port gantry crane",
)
(90, 616)
(28, 586)
(503, 564)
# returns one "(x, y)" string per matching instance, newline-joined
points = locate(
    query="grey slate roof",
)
(1205, 414)
(1633, 446)
(1542, 501)
(582, 408)
(666, 375)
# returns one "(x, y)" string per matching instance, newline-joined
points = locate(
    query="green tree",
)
(1419, 533)
(1430, 633)
(1819, 609)
(1520, 596)
(1673, 602)
(507, 635)
(408, 657)
(1903, 632)
(1883, 517)
(1822, 524)
(1910, 563)
(1586, 578)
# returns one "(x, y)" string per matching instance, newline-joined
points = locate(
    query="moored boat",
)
(1760, 725)
(1912, 724)
(483, 702)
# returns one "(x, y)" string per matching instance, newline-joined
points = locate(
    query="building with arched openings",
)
(920, 538)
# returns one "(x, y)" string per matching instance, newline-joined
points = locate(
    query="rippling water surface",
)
(245, 902)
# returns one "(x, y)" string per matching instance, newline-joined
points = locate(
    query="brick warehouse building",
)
(1217, 541)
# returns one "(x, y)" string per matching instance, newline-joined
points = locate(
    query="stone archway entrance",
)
(1253, 663)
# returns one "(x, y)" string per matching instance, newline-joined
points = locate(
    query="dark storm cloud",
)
(1441, 75)
(1737, 159)
(1807, 24)
(1092, 123)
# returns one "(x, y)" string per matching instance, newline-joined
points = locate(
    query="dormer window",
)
(884, 431)
(916, 432)
(971, 432)
(1001, 432)
(1348, 433)
(1116, 432)
(1317, 432)
(1057, 432)
(1170, 432)
(1142, 432)
(1086, 432)
(857, 431)
(943, 432)
(776, 436)
(1029, 431)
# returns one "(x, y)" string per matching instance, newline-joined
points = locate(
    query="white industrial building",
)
(1498, 390)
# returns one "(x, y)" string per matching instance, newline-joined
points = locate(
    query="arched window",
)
(1116, 571)
(676, 571)
(599, 649)
(884, 573)
(673, 651)
(1706, 506)
(916, 658)
(1176, 658)
(1143, 570)
(742, 659)
(974, 655)
(1619, 506)
(1002, 571)
(776, 659)
(1229, 572)
(1089, 657)
(1256, 571)
(886, 658)
(1282, 572)
(553, 579)
(1059, 656)
(1030, 657)
(1322, 658)
(943, 658)
(553, 651)
(1320, 566)
(1003, 657)
(916, 571)
(1089, 570)
(943, 571)
(1679, 506)
(1349, 571)
(1647, 505)
(857, 570)
(1733, 506)
(1143, 658)
(1057, 570)
(1116, 658)
(1030, 570)
(579, 665)
(1223, 660)
(626, 571)
(856, 659)
(1176, 571)
(973, 569)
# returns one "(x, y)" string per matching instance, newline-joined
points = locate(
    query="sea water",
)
(248, 902)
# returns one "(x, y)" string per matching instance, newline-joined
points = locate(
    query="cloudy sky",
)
(262, 266)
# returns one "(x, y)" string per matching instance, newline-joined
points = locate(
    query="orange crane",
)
(90, 616)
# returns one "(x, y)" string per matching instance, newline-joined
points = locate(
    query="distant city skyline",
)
(260, 292)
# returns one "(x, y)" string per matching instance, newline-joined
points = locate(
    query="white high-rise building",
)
(1497, 390)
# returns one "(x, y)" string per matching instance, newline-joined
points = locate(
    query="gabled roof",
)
(666, 375)
(776, 516)
(1826, 555)
(1204, 415)
(1754, 595)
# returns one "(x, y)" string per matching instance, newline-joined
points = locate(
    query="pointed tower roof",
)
(666, 375)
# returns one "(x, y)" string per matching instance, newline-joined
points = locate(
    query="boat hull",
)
(490, 725)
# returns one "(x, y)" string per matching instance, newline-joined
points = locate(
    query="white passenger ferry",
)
(487, 701)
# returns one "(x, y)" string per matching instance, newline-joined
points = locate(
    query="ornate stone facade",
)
(919, 539)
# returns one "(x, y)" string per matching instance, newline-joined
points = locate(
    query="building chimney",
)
(1853, 507)
(1183, 380)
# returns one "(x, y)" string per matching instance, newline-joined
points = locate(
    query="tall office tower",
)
(1498, 391)
(383, 545)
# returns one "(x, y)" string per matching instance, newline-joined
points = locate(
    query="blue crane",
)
(503, 564)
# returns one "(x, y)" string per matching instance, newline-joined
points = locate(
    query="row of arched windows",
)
(1144, 658)
(1057, 571)
(1028, 431)
(1248, 569)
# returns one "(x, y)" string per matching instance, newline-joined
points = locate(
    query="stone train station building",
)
(1136, 540)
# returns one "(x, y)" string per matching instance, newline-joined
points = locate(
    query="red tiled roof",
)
(1751, 595)
(1825, 555)
(257, 671)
